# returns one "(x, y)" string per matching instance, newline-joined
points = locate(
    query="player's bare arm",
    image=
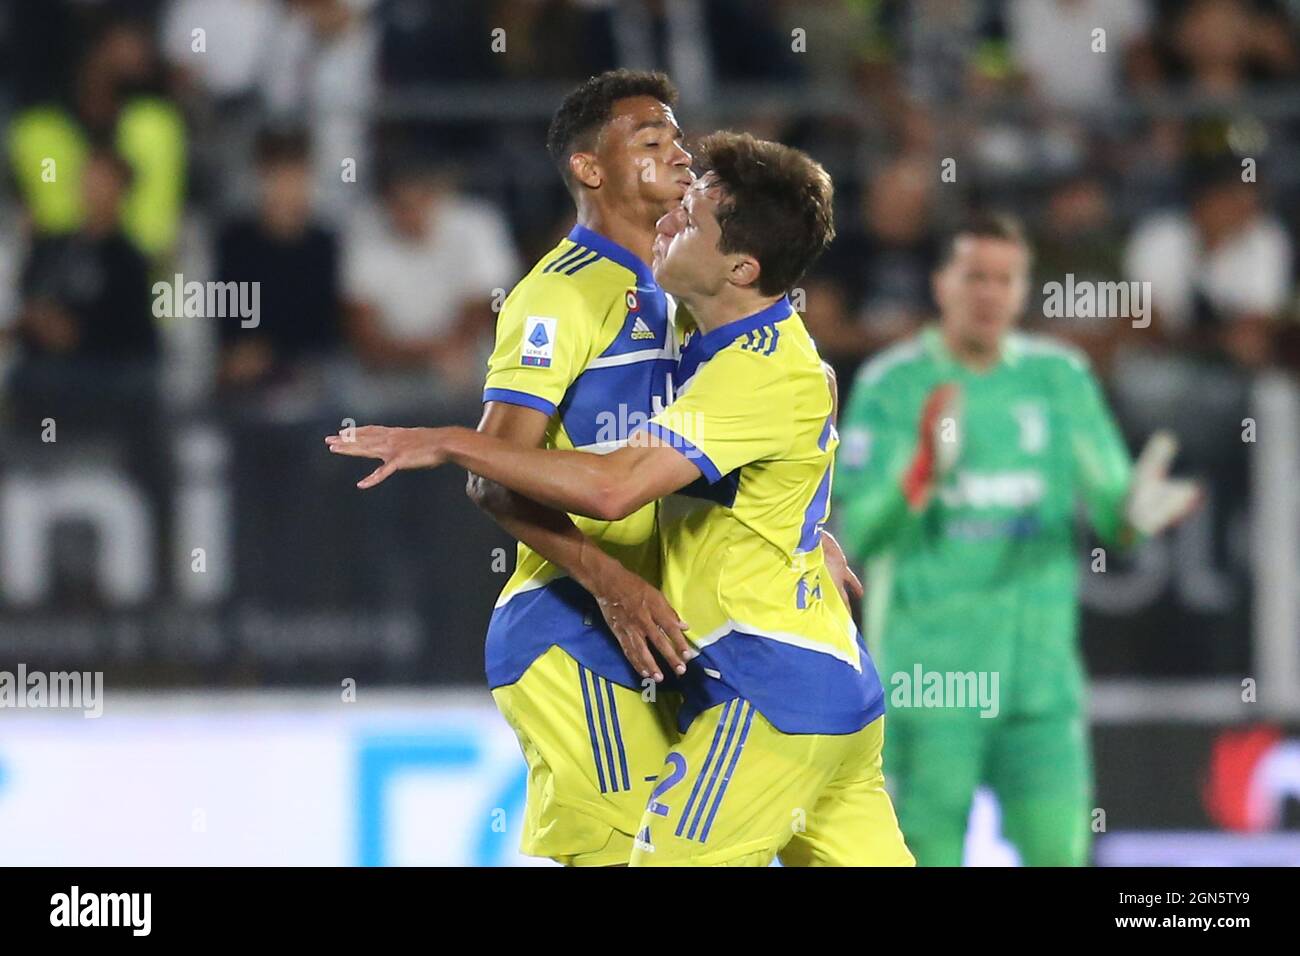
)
(605, 487)
(637, 613)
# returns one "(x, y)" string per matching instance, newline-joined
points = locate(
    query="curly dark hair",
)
(776, 206)
(583, 112)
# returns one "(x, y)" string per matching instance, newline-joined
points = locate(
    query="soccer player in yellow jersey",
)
(782, 719)
(583, 348)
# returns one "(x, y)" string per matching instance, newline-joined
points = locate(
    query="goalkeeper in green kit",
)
(964, 454)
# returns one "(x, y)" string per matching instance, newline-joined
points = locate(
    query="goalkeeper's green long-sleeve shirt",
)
(986, 577)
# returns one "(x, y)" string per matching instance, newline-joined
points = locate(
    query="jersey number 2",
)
(678, 763)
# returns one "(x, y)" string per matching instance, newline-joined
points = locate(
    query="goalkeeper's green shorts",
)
(1039, 767)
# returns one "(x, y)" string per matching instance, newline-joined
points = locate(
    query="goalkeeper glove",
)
(1156, 501)
(938, 444)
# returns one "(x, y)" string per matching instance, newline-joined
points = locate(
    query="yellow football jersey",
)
(585, 338)
(742, 555)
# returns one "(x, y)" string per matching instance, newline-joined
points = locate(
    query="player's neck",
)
(730, 305)
(636, 237)
(971, 354)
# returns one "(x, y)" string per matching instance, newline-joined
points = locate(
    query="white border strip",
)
(1275, 550)
(1138, 700)
(629, 358)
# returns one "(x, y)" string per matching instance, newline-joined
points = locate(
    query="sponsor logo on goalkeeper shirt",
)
(983, 529)
(1003, 489)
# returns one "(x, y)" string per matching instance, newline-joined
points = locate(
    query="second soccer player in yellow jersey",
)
(783, 716)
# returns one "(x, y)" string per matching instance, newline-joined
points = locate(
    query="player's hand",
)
(837, 565)
(400, 449)
(640, 617)
(937, 446)
(1156, 501)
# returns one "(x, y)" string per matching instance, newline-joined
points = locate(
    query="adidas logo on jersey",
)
(642, 841)
(640, 330)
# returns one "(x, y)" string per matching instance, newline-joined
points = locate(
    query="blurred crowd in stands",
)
(377, 166)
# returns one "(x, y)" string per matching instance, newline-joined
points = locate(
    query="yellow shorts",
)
(593, 750)
(738, 792)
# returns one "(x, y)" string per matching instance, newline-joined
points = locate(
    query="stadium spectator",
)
(85, 327)
(420, 277)
(322, 65)
(1055, 44)
(949, 49)
(217, 52)
(113, 100)
(1220, 272)
(226, 61)
(295, 261)
(1220, 47)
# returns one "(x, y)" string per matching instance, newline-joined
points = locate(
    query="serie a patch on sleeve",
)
(539, 342)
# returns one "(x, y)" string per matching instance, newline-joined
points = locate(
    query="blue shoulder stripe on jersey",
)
(667, 436)
(511, 396)
(590, 246)
(566, 258)
(776, 336)
(701, 348)
(762, 340)
(571, 268)
(613, 251)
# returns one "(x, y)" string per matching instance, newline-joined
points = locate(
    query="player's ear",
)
(586, 170)
(744, 271)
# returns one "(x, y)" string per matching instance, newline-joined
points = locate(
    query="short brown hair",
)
(984, 225)
(777, 205)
